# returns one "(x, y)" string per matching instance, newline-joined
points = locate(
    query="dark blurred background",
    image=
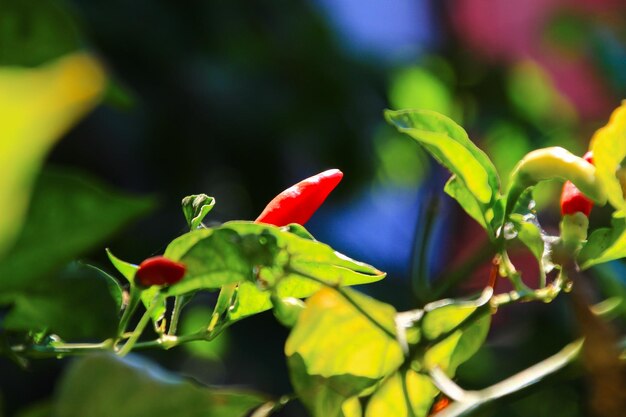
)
(241, 99)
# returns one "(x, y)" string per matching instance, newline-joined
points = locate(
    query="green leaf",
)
(443, 316)
(609, 149)
(181, 245)
(404, 394)
(299, 230)
(37, 106)
(105, 386)
(457, 190)
(529, 233)
(265, 255)
(69, 215)
(458, 347)
(334, 396)
(127, 269)
(341, 345)
(449, 144)
(78, 303)
(35, 31)
(225, 299)
(195, 208)
(220, 257)
(604, 245)
(444, 319)
(250, 300)
(346, 333)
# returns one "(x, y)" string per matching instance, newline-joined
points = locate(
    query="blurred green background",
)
(241, 99)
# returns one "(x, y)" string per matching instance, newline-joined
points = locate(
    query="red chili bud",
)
(159, 271)
(572, 199)
(298, 203)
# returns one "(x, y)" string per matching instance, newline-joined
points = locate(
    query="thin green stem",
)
(168, 342)
(133, 302)
(452, 278)
(419, 267)
(59, 349)
(545, 294)
(271, 407)
(468, 401)
(145, 319)
(178, 305)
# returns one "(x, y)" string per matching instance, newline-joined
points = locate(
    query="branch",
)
(467, 401)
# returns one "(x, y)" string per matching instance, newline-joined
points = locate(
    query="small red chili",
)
(439, 405)
(298, 203)
(572, 199)
(159, 271)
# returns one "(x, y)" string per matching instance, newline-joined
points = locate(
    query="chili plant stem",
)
(423, 231)
(467, 401)
(168, 342)
(145, 319)
(62, 349)
(179, 303)
(479, 257)
(133, 302)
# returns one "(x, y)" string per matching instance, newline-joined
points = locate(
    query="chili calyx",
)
(159, 270)
(572, 199)
(298, 203)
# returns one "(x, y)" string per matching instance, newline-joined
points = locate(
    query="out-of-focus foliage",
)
(37, 106)
(236, 99)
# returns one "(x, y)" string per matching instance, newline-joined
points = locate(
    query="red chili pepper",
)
(439, 405)
(159, 271)
(298, 203)
(572, 199)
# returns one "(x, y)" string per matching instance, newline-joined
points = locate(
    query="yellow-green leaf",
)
(608, 145)
(408, 394)
(37, 106)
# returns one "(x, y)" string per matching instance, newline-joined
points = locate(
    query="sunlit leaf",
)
(105, 386)
(457, 190)
(346, 335)
(37, 106)
(457, 348)
(341, 345)
(444, 319)
(449, 144)
(529, 233)
(196, 207)
(604, 245)
(608, 145)
(327, 397)
(127, 269)
(404, 394)
(265, 255)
